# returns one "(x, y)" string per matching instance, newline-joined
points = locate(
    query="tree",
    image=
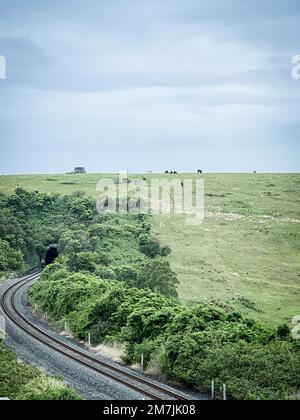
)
(149, 246)
(10, 259)
(283, 331)
(11, 229)
(84, 261)
(128, 274)
(158, 276)
(165, 251)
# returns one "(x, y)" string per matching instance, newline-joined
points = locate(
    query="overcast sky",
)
(149, 85)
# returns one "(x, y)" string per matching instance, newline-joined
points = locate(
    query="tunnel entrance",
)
(51, 255)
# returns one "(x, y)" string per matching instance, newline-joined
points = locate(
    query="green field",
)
(246, 254)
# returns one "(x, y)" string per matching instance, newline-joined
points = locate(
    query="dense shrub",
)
(84, 261)
(102, 244)
(127, 274)
(45, 388)
(21, 382)
(149, 246)
(194, 345)
(158, 276)
(10, 259)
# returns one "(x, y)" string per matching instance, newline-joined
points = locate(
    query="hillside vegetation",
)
(21, 382)
(113, 279)
(193, 345)
(246, 253)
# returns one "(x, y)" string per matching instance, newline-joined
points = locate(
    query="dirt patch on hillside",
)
(231, 217)
(281, 219)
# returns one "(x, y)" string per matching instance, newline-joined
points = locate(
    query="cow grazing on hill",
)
(171, 172)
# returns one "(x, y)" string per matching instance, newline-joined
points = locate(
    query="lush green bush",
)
(194, 345)
(128, 274)
(84, 261)
(158, 276)
(149, 246)
(250, 370)
(22, 382)
(30, 221)
(101, 244)
(10, 259)
(44, 388)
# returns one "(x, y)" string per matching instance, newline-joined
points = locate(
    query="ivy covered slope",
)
(114, 247)
(21, 382)
(29, 222)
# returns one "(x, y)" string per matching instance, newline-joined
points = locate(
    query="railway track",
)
(142, 386)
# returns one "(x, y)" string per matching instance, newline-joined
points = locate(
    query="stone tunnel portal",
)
(51, 255)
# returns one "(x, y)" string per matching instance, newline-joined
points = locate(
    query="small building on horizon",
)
(79, 170)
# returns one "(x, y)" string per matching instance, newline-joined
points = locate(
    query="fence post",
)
(65, 329)
(213, 389)
(142, 362)
(224, 392)
(89, 340)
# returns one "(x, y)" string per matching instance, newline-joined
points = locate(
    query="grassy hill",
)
(246, 254)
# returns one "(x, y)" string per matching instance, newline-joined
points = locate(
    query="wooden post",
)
(224, 392)
(65, 329)
(142, 362)
(89, 340)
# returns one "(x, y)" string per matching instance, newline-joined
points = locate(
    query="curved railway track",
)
(142, 386)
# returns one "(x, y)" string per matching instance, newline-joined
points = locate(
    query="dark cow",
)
(171, 172)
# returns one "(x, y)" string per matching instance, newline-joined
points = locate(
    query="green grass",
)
(246, 253)
(19, 381)
(61, 184)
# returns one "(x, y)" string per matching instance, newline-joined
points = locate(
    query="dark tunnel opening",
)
(51, 256)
